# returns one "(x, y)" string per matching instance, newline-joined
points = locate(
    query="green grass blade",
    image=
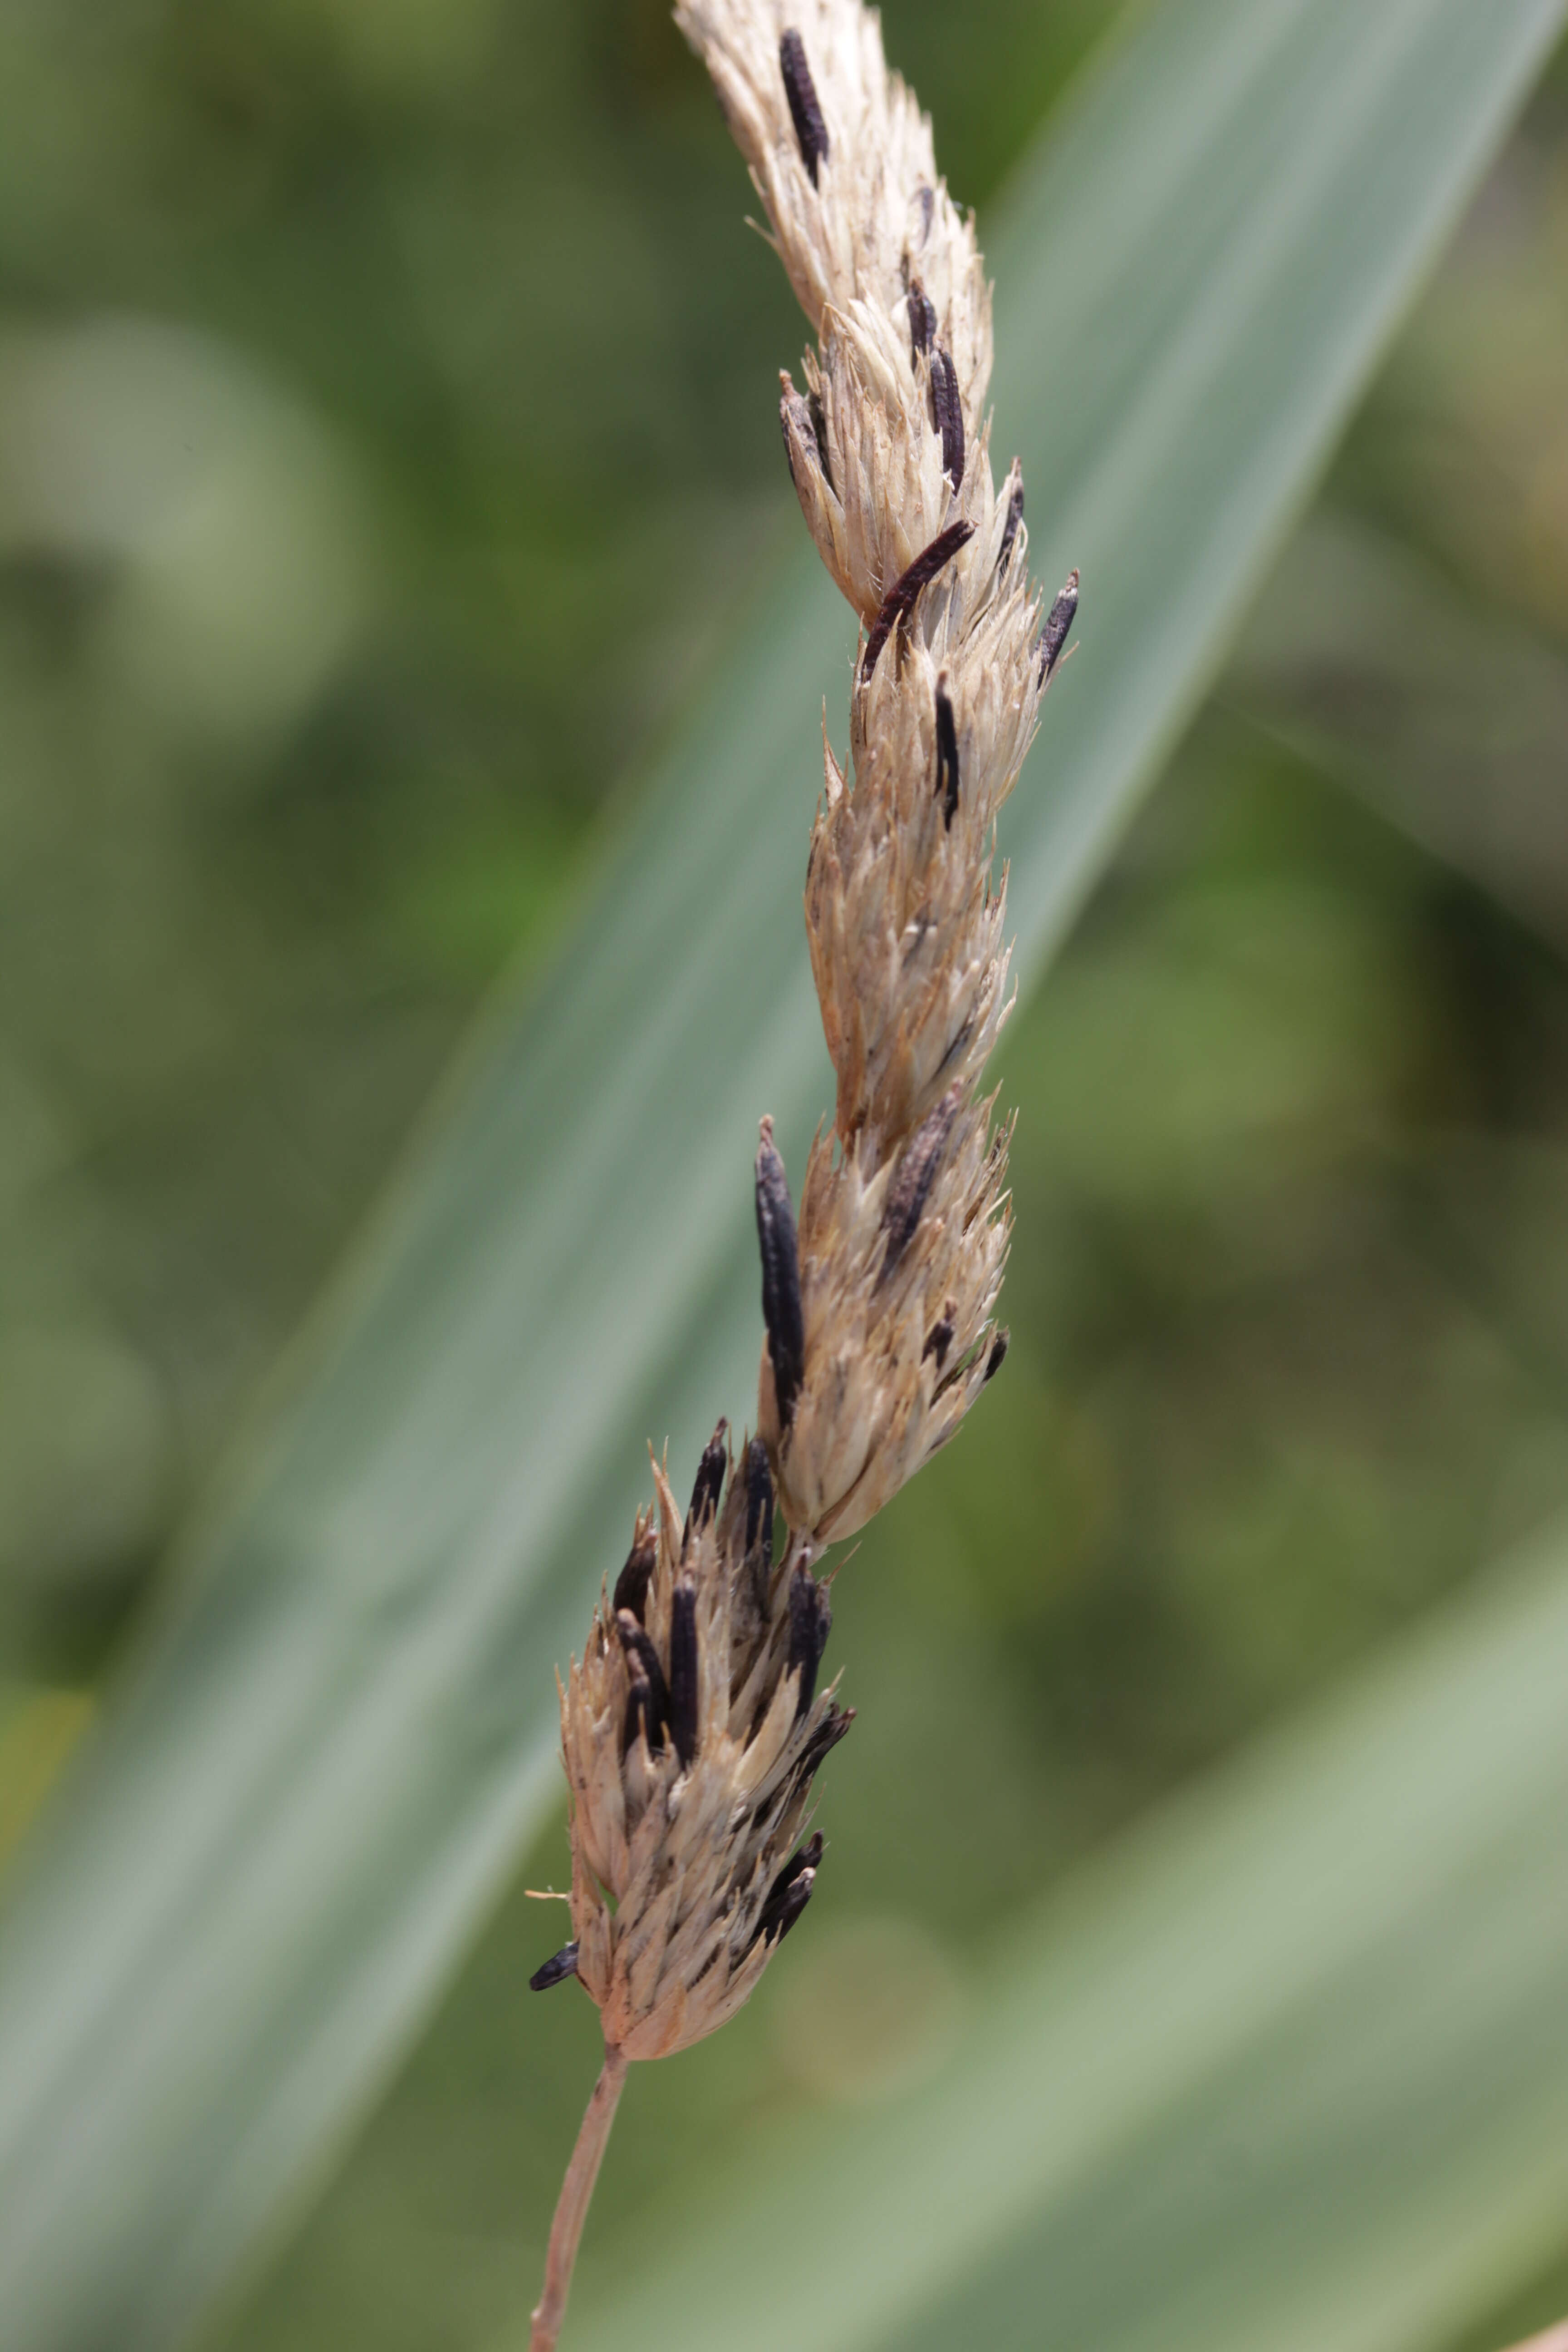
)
(1350, 606)
(1286, 2068)
(340, 1732)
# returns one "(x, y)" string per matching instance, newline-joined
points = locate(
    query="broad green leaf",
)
(1286, 2068)
(339, 1732)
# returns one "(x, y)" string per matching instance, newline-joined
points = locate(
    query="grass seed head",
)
(895, 1263)
(693, 1725)
(692, 1728)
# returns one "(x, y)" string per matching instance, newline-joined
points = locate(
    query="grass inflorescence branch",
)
(693, 1726)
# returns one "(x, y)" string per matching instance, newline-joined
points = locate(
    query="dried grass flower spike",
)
(692, 1729)
(693, 1726)
(903, 1219)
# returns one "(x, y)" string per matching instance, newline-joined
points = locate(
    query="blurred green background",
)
(386, 440)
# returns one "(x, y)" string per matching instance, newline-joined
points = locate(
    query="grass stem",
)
(576, 2193)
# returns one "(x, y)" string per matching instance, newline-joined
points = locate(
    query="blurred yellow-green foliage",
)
(386, 435)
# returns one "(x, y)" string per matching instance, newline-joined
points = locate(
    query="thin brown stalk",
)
(576, 2193)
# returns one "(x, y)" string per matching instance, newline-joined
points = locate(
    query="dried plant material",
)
(692, 1727)
(902, 1234)
(691, 1730)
